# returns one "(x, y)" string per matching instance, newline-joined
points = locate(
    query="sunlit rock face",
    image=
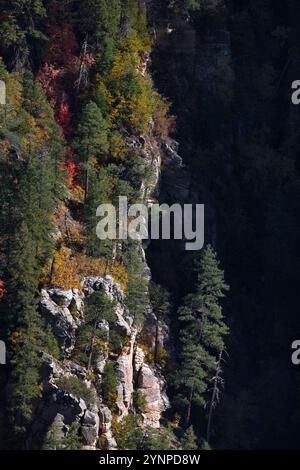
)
(64, 311)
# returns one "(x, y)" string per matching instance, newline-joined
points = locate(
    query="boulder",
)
(63, 323)
(90, 427)
(107, 442)
(61, 297)
(105, 418)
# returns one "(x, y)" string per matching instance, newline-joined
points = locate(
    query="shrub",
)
(157, 439)
(109, 385)
(139, 401)
(50, 343)
(76, 387)
(128, 434)
(73, 441)
(162, 357)
(70, 268)
(164, 123)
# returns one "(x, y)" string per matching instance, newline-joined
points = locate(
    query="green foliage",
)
(73, 441)
(100, 192)
(139, 401)
(158, 439)
(29, 204)
(160, 300)
(128, 434)
(202, 332)
(54, 439)
(136, 299)
(101, 22)
(92, 340)
(109, 385)
(75, 386)
(21, 30)
(91, 140)
(189, 440)
(50, 343)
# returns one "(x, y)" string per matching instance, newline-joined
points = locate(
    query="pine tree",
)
(53, 439)
(100, 192)
(29, 248)
(73, 441)
(22, 22)
(160, 302)
(109, 384)
(202, 332)
(136, 299)
(189, 440)
(98, 307)
(91, 140)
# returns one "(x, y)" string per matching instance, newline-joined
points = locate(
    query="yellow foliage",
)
(70, 269)
(149, 354)
(118, 148)
(142, 107)
(65, 270)
(33, 136)
(134, 44)
(77, 193)
(14, 90)
(4, 147)
(15, 341)
(101, 87)
(162, 357)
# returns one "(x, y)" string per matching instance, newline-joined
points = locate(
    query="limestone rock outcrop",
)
(64, 311)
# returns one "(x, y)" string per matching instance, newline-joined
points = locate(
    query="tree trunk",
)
(188, 416)
(214, 397)
(91, 348)
(86, 184)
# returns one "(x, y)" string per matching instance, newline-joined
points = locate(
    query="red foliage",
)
(59, 73)
(2, 290)
(70, 168)
(49, 77)
(89, 60)
(64, 118)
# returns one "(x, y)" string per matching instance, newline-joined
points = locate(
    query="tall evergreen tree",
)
(29, 248)
(136, 288)
(91, 140)
(21, 23)
(202, 332)
(98, 307)
(100, 192)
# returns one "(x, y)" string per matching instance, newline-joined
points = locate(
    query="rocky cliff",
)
(64, 311)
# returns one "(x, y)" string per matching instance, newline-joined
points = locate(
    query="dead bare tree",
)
(83, 77)
(218, 385)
